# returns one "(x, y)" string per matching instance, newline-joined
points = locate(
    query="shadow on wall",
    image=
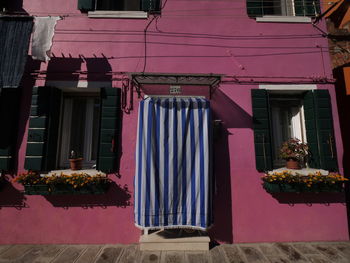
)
(343, 103)
(10, 196)
(232, 116)
(69, 69)
(230, 113)
(98, 69)
(66, 69)
(117, 195)
(309, 198)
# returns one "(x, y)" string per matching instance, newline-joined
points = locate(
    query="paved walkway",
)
(263, 252)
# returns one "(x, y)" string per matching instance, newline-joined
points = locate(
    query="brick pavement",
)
(316, 252)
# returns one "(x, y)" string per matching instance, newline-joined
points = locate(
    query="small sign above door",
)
(175, 90)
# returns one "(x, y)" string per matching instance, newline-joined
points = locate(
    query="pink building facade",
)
(192, 42)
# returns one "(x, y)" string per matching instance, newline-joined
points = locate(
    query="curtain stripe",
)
(157, 164)
(166, 162)
(183, 162)
(175, 167)
(172, 178)
(193, 170)
(149, 163)
(139, 162)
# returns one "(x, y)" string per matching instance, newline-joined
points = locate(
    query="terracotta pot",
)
(293, 164)
(76, 164)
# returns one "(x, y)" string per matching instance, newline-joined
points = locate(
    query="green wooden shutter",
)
(43, 129)
(9, 105)
(255, 8)
(311, 130)
(319, 130)
(107, 160)
(150, 5)
(262, 134)
(86, 5)
(324, 119)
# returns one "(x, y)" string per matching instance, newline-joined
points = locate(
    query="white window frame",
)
(288, 15)
(118, 14)
(291, 89)
(297, 127)
(138, 14)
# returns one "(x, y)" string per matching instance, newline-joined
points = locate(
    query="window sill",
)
(284, 19)
(118, 14)
(91, 172)
(303, 171)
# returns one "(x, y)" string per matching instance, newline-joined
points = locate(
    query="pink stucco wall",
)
(189, 37)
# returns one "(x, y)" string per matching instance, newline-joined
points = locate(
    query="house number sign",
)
(175, 90)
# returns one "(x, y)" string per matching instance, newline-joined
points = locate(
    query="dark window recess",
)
(318, 125)
(308, 8)
(120, 5)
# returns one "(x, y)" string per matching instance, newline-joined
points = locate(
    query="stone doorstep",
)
(157, 242)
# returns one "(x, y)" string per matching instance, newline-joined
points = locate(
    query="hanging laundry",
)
(173, 178)
(44, 29)
(14, 42)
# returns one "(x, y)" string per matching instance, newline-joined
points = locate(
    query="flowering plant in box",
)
(76, 179)
(285, 181)
(308, 180)
(30, 178)
(294, 149)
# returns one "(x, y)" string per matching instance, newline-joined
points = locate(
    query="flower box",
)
(64, 189)
(300, 188)
(288, 182)
(63, 184)
(36, 189)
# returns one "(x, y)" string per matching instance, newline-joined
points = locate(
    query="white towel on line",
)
(43, 32)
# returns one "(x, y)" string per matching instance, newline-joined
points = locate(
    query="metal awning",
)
(210, 80)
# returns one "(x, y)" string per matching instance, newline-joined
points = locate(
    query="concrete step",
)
(175, 239)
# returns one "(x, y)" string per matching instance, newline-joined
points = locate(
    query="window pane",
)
(78, 127)
(279, 7)
(286, 124)
(272, 7)
(121, 5)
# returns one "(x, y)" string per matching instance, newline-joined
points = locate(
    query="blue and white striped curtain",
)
(173, 178)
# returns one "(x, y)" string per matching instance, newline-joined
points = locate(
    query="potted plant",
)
(74, 161)
(294, 152)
